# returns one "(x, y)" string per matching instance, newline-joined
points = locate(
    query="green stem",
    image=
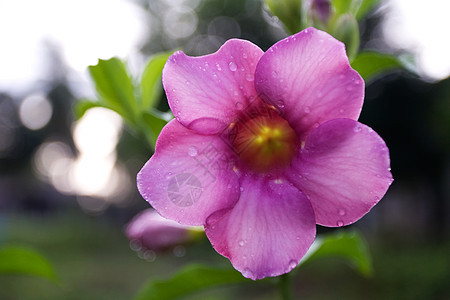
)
(284, 284)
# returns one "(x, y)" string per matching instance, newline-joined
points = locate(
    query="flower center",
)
(264, 141)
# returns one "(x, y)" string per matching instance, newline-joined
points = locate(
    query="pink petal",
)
(307, 76)
(343, 169)
(205, 93)
(267, 232)
(189, 177)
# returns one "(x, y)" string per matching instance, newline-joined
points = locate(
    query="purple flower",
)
(153, 232)
(264, 147)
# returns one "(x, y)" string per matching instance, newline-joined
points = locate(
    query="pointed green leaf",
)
(114, 87)
(349, 246)
(370, 64)
(151, 86)
(25, 261)
(190, 280)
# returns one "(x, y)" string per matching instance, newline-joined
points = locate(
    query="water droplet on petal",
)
(341, 111)
(239, 105)
(249, 77)
(292, 264)
(307, 109)
(341, 212)
(357, 128)
(244, 55)
(241, 243)
(274, 74)
(247, 273)
(280, 103)
(218, 67)
(232, 66)
(192, 151)
(340, 223)
(357, 82)
(241, 188)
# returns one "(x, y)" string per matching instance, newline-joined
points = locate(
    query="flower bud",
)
(152, 232)
(320, 12)
(346, 30)
(289, 12)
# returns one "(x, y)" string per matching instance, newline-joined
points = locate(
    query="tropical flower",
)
(264, 147)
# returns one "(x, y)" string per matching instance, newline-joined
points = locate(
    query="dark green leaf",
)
(190, 280)
(154, 124)
(22, 260)
(370, 64)
(151, 80)
(365, 8)
(114, 87)
(349, 246)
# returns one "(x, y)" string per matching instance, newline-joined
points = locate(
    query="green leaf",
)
(22, 260)
(366, 7)
(190, 280)
(115, 87)
(370, 64)
(349, 246)
(289, 12)
(346, 6)
(154, 124)
(82, 106)
(151, 87)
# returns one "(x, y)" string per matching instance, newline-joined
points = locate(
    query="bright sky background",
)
(83, 30)
(422, 27)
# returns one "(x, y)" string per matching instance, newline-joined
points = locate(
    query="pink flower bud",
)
(152, 232)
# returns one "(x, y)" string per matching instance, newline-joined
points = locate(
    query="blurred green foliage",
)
(25, 261)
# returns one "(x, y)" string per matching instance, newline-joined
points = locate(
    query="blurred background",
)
(67, 187)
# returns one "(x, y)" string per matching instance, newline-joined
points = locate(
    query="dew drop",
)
(341, 212)
(357, 128)
(249, 77)
(192, 151)
(274, 74)
(244, 55)
(232, 66)
(239, 105)
(341, 111)
(357, 82)
(292, 264)
(218, 67)
(187, 82)
(241, 189)
(340, 223)
(247, 273)
(280, 103)
(307, 109)
(241, 243)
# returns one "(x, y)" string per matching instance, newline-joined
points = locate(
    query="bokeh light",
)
(35, 111)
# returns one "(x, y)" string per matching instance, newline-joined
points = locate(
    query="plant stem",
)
(284, 284)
